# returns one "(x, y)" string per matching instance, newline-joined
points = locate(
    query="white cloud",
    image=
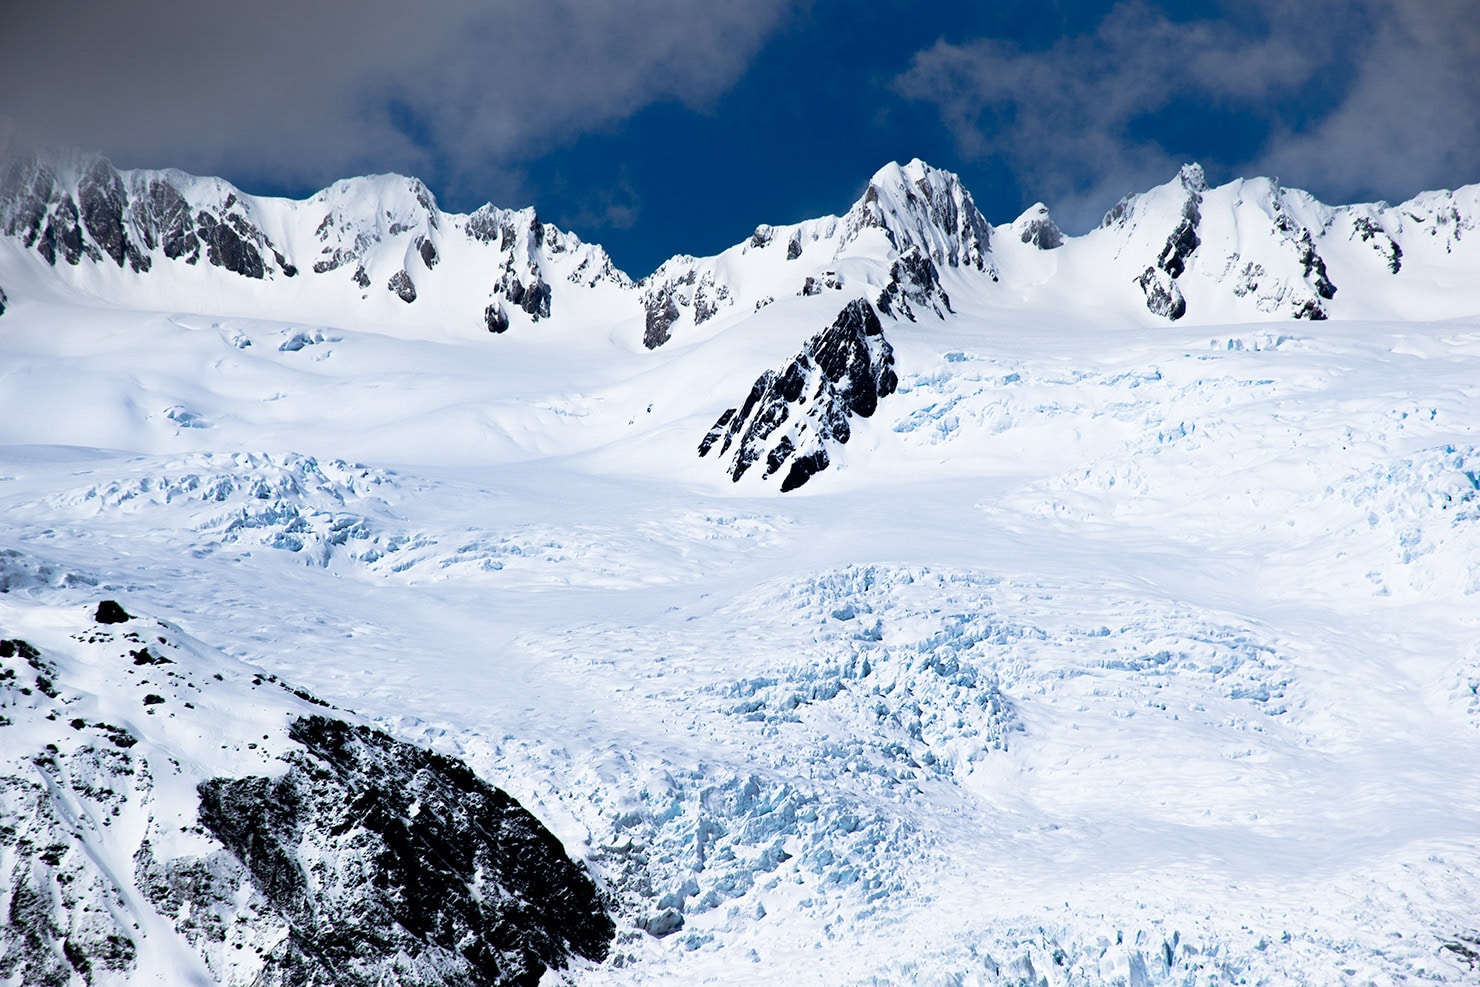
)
(1065, 118)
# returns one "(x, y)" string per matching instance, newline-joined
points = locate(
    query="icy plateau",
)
(391, 596)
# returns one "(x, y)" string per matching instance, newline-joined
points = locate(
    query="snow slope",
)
(1110, 648)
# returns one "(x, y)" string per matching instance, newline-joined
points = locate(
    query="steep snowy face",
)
(1163, 224)
(167, 808)
(1282, 272)
(1253, 250)
(924, 208)
(532, 252)
(362, 214)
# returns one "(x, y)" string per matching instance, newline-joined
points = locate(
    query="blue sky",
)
(660, 126)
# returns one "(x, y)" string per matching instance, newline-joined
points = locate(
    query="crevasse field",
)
(1108, 650)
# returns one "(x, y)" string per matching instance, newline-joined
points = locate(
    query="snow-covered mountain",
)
(1250, 248)
(378, 252)
(366, 245)
(891, 598)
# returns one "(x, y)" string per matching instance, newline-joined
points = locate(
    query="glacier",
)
(1125, 636)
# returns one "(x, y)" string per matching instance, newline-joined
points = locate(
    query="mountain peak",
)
(1035, 226)
(1192, 177)
(916, 205)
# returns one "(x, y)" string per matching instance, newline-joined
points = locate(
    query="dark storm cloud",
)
(314, 91)
(1351, 98)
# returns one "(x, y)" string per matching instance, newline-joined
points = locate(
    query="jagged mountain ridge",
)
(378, 251)
(376, 241)
(1250, 249)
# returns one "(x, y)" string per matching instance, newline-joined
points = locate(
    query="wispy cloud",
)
(1354, 96)
(309, 92)
(1410, 118)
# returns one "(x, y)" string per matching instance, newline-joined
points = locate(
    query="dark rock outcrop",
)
(1466, 948)
(495, 318)
(533, 298)
(1313, 266)
(166, 219)
(1370, 232)
(1036, 228)
(826, 281)
(791, 416)
(681, 285)
(109, 612)
(1163, 296)
(232, 242)
(524, 239)
(104, 205)
(3, 300)
(914, 283)
(402, 287)
(662, 312)
(390, 863)
(428, 251)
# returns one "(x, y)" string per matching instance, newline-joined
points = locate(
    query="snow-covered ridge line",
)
(379, 246)
(377, 237)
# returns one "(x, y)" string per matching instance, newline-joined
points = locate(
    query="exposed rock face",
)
(431, 867)
(682, 285)
(428, 251)
(228, 246)
(83, 208)
(3, 300)
(343, 857)
(1312, 268)
(792, 416)
(1037, 228)
(356, 217)
(531, 249)
(402, 287)
(64, 924)
(109, 612)
(1163, 297)
(104, 203)
(826, 281)
(661, 314)
(495, 318)
(1296, 280)
(1370, 231)
(914, 283)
